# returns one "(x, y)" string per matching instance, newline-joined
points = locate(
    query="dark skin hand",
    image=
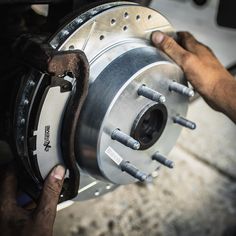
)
(202, 69)
(17, 221)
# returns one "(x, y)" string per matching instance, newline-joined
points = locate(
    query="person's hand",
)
(202, 69)
(17, 221)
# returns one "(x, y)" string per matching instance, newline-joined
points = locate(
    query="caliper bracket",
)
(40, 56)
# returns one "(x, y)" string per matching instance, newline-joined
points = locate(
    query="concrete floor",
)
(197, 197)
(201, 22)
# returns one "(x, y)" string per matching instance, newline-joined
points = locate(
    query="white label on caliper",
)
(114, 155)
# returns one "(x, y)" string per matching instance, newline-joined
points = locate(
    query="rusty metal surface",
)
(81, 69)
(54, 66)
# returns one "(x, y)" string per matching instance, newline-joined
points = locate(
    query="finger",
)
(170, 47)
(187, 41)
(8, 187)
(45, 213)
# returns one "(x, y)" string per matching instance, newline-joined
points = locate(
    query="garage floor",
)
(197, 197)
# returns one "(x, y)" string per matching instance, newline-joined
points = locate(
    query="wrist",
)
(222, 91)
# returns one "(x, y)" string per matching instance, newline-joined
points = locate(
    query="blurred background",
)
(197, 197)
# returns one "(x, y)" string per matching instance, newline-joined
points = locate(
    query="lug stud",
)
(151, 94)
(184, 122)
(133, 171)
(125, 139)
(163, 160)
(181, 89)
(126, 165)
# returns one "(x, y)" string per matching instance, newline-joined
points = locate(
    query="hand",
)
(202, 69)
(17, 221)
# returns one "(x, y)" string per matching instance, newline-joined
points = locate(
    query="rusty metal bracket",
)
(71, 119)
(56, 64)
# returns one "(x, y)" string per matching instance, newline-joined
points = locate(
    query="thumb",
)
(169, 46)
(45, 212)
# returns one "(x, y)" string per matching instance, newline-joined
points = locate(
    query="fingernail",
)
(58, 172)
(157, 37)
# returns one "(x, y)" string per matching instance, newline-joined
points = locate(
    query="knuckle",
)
(189, 40)
(188, 35)
(45, 211)
(53, 189)
(44, 214)
(209, 50)
(168, 44)
(188, 59)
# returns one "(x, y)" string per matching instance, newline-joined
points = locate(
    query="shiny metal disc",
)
(115, 38)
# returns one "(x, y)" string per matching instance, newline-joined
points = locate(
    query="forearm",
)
(225, 97)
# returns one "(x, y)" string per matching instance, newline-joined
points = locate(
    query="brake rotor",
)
(137, 98)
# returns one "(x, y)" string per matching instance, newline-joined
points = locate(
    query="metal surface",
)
(115, 39)
(96, 130)
(149, 124)
(38, 119)
(50, 122)
(181, 89)
(184, 122)
(133, 171)
(163, 160)
(125, 139)
(151, 94)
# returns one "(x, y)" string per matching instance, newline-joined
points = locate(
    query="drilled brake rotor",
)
(123, 123)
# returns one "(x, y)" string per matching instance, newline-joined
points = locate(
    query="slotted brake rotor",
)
(136, 102)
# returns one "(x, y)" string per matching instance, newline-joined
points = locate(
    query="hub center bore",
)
(149, 125)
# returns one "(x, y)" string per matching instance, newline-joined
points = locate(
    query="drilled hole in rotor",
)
(138, 17)
(149, 17)
(125, 28)
(71, 47)
(113, 21)
(126, 15)
(101, 37)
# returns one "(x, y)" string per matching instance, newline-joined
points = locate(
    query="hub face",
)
(118, 108)
(115, 39)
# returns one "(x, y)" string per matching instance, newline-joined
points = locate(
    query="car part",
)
(112, 125)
